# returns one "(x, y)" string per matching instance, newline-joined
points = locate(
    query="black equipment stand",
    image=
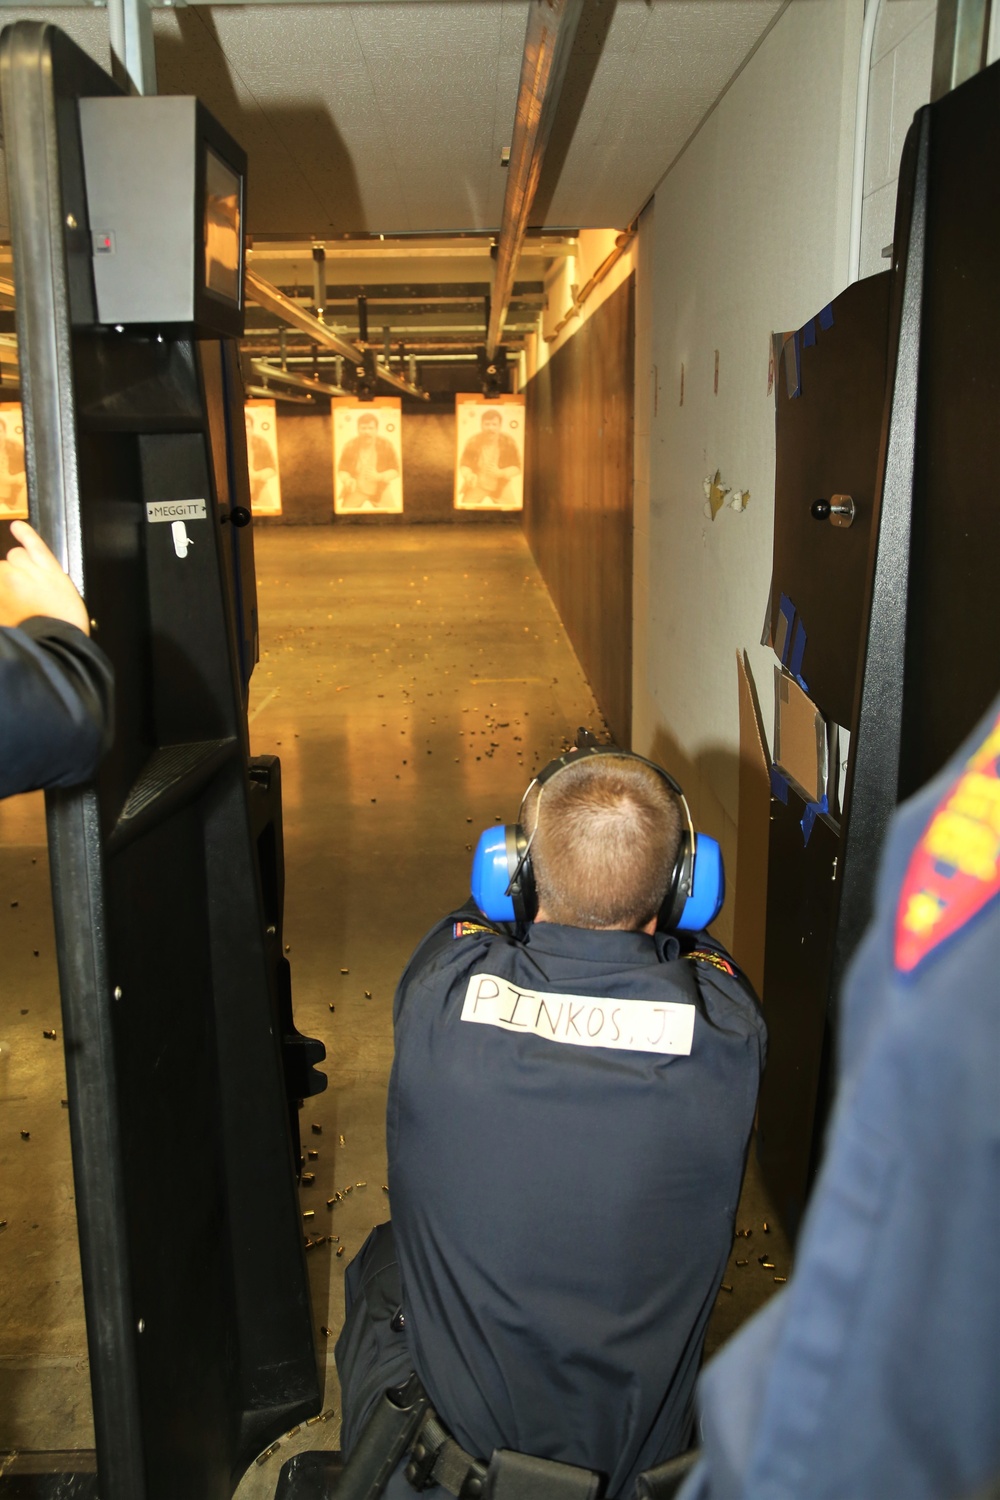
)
(184, 1069)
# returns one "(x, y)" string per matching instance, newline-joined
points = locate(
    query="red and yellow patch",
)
(471, 929)
(955, 869)
(707, 956)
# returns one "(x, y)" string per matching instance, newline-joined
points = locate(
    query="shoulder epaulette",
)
(954, 871)
(471, 929)
(709, 956)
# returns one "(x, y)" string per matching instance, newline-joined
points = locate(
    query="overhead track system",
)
(275, 301)
(301, 382)
(548, 43)
(399, 383)
(265, 393)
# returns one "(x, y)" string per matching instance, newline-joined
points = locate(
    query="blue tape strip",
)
(812, 812)
(798, 652)
(787, 611)
(809, 334)
(826, 317)
(779, 786)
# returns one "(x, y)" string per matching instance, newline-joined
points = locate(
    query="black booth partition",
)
(184, 1067)
(884, 609)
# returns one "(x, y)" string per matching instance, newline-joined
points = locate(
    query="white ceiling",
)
(365, 116)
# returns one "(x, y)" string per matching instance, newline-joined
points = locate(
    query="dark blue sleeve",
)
(440, 938)
(56, 705)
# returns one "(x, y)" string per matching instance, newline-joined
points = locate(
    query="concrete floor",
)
(410, 680)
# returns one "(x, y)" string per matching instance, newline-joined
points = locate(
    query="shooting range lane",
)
(410, 682)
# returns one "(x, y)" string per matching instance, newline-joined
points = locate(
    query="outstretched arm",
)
(56, 686)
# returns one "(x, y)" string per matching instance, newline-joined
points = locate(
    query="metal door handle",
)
(839, 509)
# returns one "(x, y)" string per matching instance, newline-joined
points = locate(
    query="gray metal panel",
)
(140, 163)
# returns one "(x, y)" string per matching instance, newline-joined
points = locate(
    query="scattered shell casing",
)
(361, 1184)
(307, 1179)
(268, 1453)
(768, 1265)
(725, 1288)
(326, 1334)
(309, 1213)
(340, 1249)
(743, 1262)
(312, 1155)
(317, 1129)
(342, 1140)
(779, 1278)
(49, 1036)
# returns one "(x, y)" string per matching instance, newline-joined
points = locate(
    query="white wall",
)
(750, 234)
(899, 84)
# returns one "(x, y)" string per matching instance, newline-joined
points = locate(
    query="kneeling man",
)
(569, 1111)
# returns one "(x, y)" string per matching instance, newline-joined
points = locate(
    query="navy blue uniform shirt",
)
(876, 1373)
(56, 697)
(563, 1194)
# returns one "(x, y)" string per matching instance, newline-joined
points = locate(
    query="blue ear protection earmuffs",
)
(503, 882)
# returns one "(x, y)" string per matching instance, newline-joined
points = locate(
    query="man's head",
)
(606, 842)
(367, 425)
(490, 420)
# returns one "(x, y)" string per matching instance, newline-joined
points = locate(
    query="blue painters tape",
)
(779, 786)
(798, 652)
(809, 334)
(812, 812)
(826, 317)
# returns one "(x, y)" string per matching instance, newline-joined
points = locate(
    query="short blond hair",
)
(607, 833)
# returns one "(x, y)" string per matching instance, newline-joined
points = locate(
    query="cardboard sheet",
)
(800, 738)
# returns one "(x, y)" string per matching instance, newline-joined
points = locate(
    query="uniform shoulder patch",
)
(954, 870)
(709, 956)
(471, 929)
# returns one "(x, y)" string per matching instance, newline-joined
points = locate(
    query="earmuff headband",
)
(503, 881)
(587, 747)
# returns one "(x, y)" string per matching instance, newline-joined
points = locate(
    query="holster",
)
(388, 1434)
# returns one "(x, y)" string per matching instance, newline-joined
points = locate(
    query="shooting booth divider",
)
(885, 611)
(184, 1068)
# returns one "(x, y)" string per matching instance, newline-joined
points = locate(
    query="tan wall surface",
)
(578, 496)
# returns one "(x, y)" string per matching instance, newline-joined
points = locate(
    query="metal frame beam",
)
(961, 38)
(130, 32)
(548, 43)
(274, 301)
(301, 382)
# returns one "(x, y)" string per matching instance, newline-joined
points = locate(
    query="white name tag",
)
(627, 1025)
(176, 510)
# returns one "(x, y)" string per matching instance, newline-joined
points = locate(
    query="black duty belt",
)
(404, 1420)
